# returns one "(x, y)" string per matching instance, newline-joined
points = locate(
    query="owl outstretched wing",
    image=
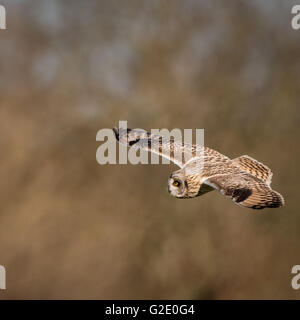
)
(246, 190)
(175, 151)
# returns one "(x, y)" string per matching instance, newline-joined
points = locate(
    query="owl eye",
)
(176, 183)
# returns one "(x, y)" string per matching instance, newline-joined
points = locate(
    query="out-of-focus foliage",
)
(70, 228)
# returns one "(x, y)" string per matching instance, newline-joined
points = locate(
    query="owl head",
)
(182, 185)
(177, 185)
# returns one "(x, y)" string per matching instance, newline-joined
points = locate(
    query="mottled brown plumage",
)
(245, 180)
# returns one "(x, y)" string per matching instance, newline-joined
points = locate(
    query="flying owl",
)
(244, 180)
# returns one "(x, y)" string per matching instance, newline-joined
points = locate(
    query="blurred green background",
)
(70, 228)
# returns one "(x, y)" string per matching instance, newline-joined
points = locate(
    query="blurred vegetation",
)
(70, 228)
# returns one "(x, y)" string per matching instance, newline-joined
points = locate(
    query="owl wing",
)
(246, 190)
(177, 152)
(255, 168)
